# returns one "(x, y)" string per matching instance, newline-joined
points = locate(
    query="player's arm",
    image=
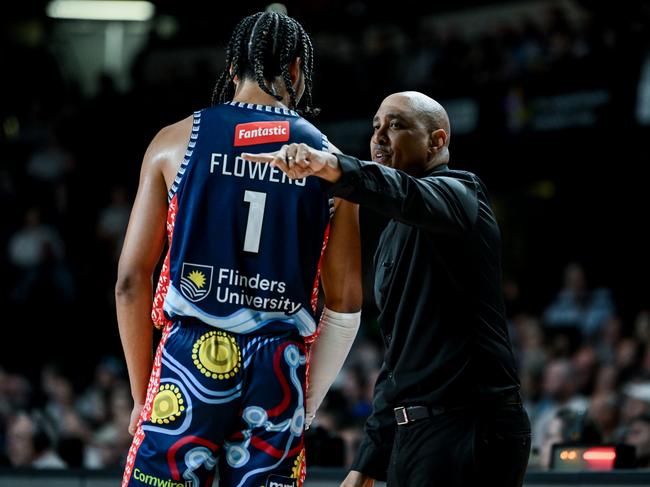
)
(141, 252)
(341, 280)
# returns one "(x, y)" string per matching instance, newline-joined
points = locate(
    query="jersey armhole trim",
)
(194, 135)
(326, 148)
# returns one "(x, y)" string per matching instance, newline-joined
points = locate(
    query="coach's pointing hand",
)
(299, 160)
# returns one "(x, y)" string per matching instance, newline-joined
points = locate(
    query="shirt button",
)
(390, 375)
(389, 337)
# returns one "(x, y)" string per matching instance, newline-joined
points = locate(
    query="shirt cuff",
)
(350, 171)
(372, 460)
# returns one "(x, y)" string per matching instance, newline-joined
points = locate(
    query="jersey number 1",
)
(257, 202)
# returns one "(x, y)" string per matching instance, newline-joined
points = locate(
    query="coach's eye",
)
(395, 125)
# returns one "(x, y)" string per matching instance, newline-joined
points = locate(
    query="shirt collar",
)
(438, 168)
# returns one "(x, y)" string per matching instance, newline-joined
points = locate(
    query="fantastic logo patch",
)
(254, 133)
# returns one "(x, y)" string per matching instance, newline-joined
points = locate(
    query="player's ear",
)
(294, 70)
(235, 78)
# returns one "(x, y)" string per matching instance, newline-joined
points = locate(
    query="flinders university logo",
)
(196, 281)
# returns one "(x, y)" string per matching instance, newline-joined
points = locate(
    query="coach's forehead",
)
(414, 105)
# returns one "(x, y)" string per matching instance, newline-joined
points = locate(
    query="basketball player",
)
(238, 288)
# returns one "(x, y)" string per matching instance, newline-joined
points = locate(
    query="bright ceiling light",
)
(100, 10)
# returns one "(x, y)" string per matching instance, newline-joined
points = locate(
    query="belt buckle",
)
(405, 419)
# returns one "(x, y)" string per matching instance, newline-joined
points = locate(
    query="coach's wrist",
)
(332, 169)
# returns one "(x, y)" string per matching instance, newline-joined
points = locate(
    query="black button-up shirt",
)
(438, 289)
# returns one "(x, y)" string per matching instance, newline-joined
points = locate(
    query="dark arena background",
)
(549, 104)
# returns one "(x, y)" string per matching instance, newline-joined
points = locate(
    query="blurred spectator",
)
(111, 441)
(566, 426)
(637, 401)
(36, 251)
(48, 167)
(94, 402)
(112, 222)
(29, 444)
(560, 392)
(586, 366)
(577, 306)
(608, 339)
(607, 379)
(638, 436)
(604, 410)
(628, 359)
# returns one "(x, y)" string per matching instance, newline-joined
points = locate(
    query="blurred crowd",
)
(585, 379)
(68, 170)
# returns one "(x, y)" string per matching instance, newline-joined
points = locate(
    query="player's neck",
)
(250, 92)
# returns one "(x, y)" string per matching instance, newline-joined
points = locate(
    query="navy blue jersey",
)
(245, 240)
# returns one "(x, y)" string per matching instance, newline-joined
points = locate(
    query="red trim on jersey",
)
(157, 315)
(314, 303)
(314, 292)
(145, 415)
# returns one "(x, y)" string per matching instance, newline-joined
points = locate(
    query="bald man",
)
(447, 410)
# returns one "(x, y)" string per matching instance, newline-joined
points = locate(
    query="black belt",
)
(408, 414)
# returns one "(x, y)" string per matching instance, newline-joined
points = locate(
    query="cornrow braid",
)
(262, 47)
(308, 69)
(265, 28)
(287, 55)
(238, 40)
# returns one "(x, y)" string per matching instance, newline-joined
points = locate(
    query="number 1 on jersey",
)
(257, 202)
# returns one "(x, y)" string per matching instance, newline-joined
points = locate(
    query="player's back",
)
(245, 240)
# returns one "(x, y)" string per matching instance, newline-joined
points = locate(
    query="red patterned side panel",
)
(157, 315)
(152, 390)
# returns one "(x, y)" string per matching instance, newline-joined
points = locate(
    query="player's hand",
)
(310, 414)
(357, 479)
(299, 160)
(135, 417)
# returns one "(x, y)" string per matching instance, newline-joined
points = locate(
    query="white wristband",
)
(328, 353)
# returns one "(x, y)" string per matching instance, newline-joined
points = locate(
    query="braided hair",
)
(261, 48)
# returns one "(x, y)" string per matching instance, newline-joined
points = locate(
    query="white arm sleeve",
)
(328, 353)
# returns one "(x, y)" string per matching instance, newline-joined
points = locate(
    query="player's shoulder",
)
(168, 145)
(169, 133)
(306, 124)
(313, 134)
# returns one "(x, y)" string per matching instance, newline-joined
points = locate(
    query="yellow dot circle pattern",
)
(217, 355)
(168, 405)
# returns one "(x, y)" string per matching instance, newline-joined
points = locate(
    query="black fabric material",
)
(462, 448)
(438, 289)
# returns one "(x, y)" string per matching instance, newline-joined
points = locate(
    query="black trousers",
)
(462, 448)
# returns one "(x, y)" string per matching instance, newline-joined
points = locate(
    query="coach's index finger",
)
(260, 156)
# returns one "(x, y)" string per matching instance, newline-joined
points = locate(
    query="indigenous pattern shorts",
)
(221, 403)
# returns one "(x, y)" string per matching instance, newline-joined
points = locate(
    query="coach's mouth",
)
(381, 155)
